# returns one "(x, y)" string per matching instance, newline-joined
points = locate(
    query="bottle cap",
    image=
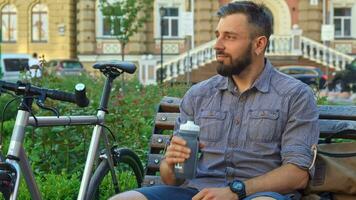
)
(189, 126)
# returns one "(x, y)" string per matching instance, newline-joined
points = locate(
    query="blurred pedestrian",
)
(34, 66)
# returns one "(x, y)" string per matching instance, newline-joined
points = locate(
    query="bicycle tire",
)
(121, 156)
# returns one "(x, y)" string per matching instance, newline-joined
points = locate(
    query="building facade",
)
(47, 27)
(77, 29)
(95, 42)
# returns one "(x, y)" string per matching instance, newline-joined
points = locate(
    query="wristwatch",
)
(238, 187)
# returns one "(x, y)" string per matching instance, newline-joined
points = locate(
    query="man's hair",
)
(34, 55)
(256, 14)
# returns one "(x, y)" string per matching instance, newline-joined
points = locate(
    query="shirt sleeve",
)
(301, 130)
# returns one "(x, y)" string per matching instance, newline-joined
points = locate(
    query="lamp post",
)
(161, 12)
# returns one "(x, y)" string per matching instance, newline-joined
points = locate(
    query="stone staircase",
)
(199, 63)
(209, 69)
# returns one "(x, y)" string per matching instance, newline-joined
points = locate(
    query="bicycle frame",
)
(17, 157)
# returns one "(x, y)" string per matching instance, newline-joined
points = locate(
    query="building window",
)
(342, 22)
(40, 23)
(8, 23)
(170, 22)
(108, 25)
(112, 25)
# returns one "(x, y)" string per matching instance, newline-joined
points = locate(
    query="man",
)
(257, 126)
(34, 65)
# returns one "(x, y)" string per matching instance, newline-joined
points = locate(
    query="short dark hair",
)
(257, 16)
(34, 55)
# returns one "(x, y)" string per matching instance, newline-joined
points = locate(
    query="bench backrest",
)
(335, 122)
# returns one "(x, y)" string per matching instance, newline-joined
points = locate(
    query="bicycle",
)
(112, 158)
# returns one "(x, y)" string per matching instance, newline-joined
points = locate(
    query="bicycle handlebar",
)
(79, 97)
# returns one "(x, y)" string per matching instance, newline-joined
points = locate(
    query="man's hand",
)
(216, 194)
(177, 151)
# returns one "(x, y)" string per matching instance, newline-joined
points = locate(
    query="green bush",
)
(53, 186)
(11, 110)
(57, 154)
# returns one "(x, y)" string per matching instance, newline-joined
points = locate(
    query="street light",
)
(161, 12)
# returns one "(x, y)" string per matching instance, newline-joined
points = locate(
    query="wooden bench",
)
(335, 122)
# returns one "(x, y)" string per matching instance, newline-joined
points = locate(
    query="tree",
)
(125, 17)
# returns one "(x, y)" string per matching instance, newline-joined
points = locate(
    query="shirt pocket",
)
(211, 125)
(262, 125)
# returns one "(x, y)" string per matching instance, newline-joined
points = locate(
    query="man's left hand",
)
(216, 194)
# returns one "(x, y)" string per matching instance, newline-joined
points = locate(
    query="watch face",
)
(237, 185)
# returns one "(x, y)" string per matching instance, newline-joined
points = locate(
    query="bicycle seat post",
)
(106, 94)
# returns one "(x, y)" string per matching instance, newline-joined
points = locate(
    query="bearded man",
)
(257, 126)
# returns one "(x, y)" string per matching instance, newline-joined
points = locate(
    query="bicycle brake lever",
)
(40, 103)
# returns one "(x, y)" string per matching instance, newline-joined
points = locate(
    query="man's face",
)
(233, 46)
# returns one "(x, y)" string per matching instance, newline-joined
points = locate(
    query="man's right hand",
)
(177, 151)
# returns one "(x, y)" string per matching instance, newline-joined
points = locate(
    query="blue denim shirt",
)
(273, 123)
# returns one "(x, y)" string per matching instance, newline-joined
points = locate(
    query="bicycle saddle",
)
(114, 66)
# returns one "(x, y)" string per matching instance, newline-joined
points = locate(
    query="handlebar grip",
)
(9, 86)
(61, 96)
(81, 96)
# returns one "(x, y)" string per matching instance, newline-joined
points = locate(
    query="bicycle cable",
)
(2, 119)
(111, 133)
(3, 114)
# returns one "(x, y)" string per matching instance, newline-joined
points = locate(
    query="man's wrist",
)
(238, 187)
(234, 195)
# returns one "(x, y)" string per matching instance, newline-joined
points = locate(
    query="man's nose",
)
(218, 44)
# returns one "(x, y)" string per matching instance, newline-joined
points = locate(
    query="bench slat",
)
(159, 141)
(170, 104)
(154, 161)
(151, 181)
(337, 112)
(337, 129)
(166, 121)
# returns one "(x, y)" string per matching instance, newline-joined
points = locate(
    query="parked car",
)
(11, 65)
(312, 76)
(344, 80)
(65, 67)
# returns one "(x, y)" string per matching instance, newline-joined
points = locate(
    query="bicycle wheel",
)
(128, 170)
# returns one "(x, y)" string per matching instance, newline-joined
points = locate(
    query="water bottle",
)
(189, 132)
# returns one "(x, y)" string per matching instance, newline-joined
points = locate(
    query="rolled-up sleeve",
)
(302, 129)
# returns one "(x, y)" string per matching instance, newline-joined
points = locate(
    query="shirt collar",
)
(262, 83)
(226, 83)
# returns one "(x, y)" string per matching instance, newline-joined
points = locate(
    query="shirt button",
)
(237, 120)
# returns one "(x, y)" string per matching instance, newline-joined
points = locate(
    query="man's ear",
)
(260, 45)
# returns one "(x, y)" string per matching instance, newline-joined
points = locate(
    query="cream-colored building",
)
(96, 43)
(76, 29)
(46, 27)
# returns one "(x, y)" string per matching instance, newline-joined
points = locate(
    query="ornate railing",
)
(323, 54)
(279, 45)
(188, 61)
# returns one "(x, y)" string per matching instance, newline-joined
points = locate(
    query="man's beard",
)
(237, 66)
